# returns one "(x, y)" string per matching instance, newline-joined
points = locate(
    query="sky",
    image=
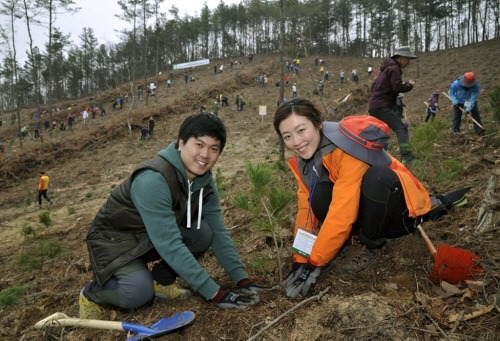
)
(100, 16)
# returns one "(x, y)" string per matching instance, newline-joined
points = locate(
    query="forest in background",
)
(154, 41)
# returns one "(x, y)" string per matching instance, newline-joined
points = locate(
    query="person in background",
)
(351, 192)
(432, 105)
(145, 133)
(151, 124)
(342, 76)
(463, 93)
(215, 108)
(354, 75)
(294, 90)
(43, 187)
(167, 212)
(385, 90)
(37, 129)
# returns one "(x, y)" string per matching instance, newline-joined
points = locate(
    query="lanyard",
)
(312, 187)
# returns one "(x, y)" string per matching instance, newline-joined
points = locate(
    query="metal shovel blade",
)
(454, 265)
(163, 326)
(160, 328)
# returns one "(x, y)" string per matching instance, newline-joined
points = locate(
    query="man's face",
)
(199, 155)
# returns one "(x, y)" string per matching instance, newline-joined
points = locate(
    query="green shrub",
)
(426, 136)
(261, 263)
(28, 262)
(10, 296)
(50, 248)
(27, 231)
(451, 171)
(260, 176)
(39, 251)
(44, 218)
(71, 210)
(267, 202)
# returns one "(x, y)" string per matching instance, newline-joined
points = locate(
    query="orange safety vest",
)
(43, 184)
(346, 172)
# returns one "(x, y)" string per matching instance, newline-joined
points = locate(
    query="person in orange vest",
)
(43, 187)
(352, 194)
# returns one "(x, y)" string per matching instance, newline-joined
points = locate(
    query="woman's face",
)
(300, 135)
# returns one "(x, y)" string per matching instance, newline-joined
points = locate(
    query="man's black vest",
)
(118, 235)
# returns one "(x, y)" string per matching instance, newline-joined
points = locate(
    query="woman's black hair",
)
(299, 106)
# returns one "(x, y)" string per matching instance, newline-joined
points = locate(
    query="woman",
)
(349, 186)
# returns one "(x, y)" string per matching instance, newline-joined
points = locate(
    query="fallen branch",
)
(288, 312)
(457, 318)
(343, 98)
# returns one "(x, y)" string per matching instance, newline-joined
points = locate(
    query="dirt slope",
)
(395, 301)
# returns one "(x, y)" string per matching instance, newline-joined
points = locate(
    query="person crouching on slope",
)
(349, 189)
(168, 212)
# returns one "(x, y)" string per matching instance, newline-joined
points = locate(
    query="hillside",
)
(394, 301)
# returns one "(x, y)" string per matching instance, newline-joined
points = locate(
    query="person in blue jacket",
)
(164, 217)
(463, 93)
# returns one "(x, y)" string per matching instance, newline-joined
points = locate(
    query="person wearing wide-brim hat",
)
(385, 91)
(348, 186)
(463, 93)
(404, 51)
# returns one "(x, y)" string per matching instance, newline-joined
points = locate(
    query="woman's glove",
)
(297, 269)
(304, 281)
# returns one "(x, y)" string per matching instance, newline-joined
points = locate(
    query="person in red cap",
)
(385, 90)
(350, 189)
(463, 93)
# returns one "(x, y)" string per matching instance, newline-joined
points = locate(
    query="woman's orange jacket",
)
(346, 172)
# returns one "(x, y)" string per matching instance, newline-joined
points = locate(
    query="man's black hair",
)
(206, 124)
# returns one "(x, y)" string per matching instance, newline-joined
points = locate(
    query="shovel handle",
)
(61, 320)
(428, 242)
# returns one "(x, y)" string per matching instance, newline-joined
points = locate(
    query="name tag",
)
(303, 243)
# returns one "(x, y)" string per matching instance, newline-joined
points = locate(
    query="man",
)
(151, 124)
(463, 94)
(43, 187)
(385, 90)
(167, 212)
